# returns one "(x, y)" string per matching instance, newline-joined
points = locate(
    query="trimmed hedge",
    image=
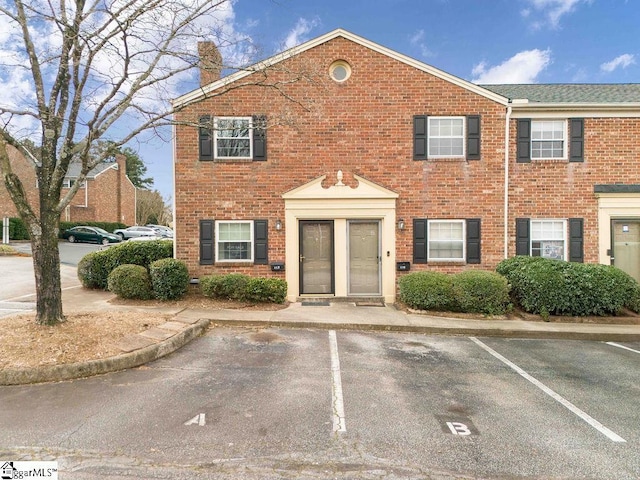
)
(236, 286)
(427, 291)
(554, 287)
(169, 278)
(18, 230)
(231, 286)
(477, 291)
(130, 281)
(93, 272)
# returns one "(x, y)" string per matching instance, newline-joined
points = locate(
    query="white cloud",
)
(622, 61)
(299, 33)
(523, 67)
(417, 40)
(551, 10)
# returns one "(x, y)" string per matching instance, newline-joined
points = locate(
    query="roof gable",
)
(201, 92)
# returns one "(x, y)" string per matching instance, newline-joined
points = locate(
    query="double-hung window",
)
(446, 240)
(233, 138)
(234, 241)
(548, 239)
(548, 139)
(446, 137)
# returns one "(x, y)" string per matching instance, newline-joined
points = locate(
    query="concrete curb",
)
(433, 330)
(57, 373)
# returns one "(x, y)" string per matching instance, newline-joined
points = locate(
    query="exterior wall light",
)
(278, 225)
(401, 224)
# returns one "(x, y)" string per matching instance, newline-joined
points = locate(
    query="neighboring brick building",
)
(391, 160)
(107, 195)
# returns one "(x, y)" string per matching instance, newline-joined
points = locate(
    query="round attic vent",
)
(340, 71)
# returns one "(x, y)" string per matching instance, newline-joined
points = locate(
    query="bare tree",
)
(96, 70)
(151, 208)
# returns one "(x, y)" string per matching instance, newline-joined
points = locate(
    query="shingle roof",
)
(570, 93)
(74, 169)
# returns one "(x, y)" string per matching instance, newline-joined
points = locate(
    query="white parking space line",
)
(566, 403)
(337, 402)
(614, 344)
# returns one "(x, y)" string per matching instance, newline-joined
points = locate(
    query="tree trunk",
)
(46, 265)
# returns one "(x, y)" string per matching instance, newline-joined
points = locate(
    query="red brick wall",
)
(25, 170)
(363, 126)
(562, 189)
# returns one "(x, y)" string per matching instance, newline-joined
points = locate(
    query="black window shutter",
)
(259, 138)
(576, 151)
(524, 141)
(473, 137)
(473, 240)
(205, 138)
(576, 241)
(420, 137)
(260, 242)
(523, 236)
(419, 240)
(207, 242)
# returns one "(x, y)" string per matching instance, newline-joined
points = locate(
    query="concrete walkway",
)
(187, 324)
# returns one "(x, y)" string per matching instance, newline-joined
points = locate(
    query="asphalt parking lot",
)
(279, 403)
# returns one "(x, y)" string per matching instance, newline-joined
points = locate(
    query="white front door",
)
(364, 257)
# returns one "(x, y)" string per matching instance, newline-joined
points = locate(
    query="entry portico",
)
(340, 241)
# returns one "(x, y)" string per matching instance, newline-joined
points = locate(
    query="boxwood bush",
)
(130, 281)
(477, 291)
(94, 271)
(169, 278)
(236, 286)
(231, 286)
(553, 287)
(427, 291)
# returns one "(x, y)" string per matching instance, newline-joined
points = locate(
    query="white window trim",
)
(251, 240)
(463, 240)
(464, 136)
(565, 234)
(565, 141)
(215, 138)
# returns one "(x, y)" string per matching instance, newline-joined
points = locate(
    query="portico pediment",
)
(314, 190)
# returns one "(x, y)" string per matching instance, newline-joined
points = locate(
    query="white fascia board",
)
(114, 166)
(565, 110)
(201, 92)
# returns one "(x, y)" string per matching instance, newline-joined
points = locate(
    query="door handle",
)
(301, 258)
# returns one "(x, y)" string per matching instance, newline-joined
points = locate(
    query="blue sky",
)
(484, 41)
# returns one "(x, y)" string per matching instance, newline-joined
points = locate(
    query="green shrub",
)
(232, 286)
(169, 278)
(94, 273)
(17, 229)
(272, 290)
(130, 281)
(477, 291)
(427, 291)
(553, 287)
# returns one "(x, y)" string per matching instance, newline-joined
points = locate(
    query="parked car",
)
(162, 230)
(134, 232)
(83, 233)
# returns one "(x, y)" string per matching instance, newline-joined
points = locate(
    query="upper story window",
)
(548, 139)
(70, 182)
(232, 137)
(446, 137)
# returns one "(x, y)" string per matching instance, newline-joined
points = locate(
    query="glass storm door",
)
(626, 246)
(364, 258)
(316, 256)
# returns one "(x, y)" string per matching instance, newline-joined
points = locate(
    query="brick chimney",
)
(210, 63)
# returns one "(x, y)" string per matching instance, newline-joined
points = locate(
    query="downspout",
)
(173, 208)
(506, 181)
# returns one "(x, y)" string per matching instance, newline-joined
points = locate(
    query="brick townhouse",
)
(379, 164)
(107, 194)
